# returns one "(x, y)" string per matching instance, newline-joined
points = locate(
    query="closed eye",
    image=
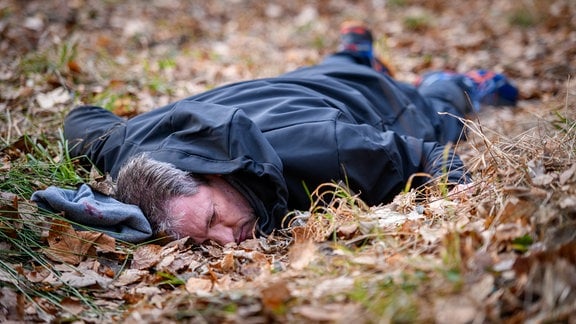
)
(214, 217)
(211, 221)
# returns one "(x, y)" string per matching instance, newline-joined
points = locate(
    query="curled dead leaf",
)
(301, 254)
(101, 183)
(347, 231)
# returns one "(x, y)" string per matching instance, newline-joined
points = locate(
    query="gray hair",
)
(151, 185)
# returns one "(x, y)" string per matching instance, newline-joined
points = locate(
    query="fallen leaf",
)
(12, 305)
(84, 278)
(38, 274)
(227, 263)
(568, 203)
(146, 256)
(103, 242)
(65, 244)
(74, 66)
(101, 183)
(130, 276)
(301, 254)
(72, 305)
(148, 291)
(9, 212)
(347, 231)
(517, 209)
(431, 235)
(275, 295)
(543, 180)
(198, 285)
(52, 98)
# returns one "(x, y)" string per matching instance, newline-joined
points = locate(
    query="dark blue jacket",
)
(275, 137)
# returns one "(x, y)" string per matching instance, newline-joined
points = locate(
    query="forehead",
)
(193, 213)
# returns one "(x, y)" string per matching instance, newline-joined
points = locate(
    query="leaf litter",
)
(502, 254)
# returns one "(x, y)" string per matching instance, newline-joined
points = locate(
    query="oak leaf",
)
(67, 245)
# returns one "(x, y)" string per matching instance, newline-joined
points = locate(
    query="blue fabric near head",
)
(103, 213)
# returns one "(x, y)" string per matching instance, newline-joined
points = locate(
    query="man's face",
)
(217, 212)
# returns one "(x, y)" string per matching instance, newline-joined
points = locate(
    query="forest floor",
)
(505, 254)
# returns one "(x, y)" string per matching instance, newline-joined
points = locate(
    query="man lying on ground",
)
(230, 162)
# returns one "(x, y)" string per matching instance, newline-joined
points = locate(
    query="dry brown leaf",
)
(9, 211)
(567, 175)
(260, 258)
(38, 274)
(166, 262)
(72, 305)
(181, 262)
(101, 183)
(198, 285)
(252, 271)
(9, 205)
(102, 242)
(73, 66)
(12, 305)
(347, 231)
(275, 295)
(517, 209)
(431, 235)
(65, 244)
(146, 256)
(84, 278)
(568, 203)
(508, 232)
(97, 241)
(227, 263)
(130, 276)
(301, 254)
(251, 244)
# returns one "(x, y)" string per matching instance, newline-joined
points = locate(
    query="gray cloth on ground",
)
(95, 210)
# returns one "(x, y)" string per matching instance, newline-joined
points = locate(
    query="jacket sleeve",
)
(87, 128)
(379, 164)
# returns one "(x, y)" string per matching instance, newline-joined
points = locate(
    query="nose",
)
(221, 234)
